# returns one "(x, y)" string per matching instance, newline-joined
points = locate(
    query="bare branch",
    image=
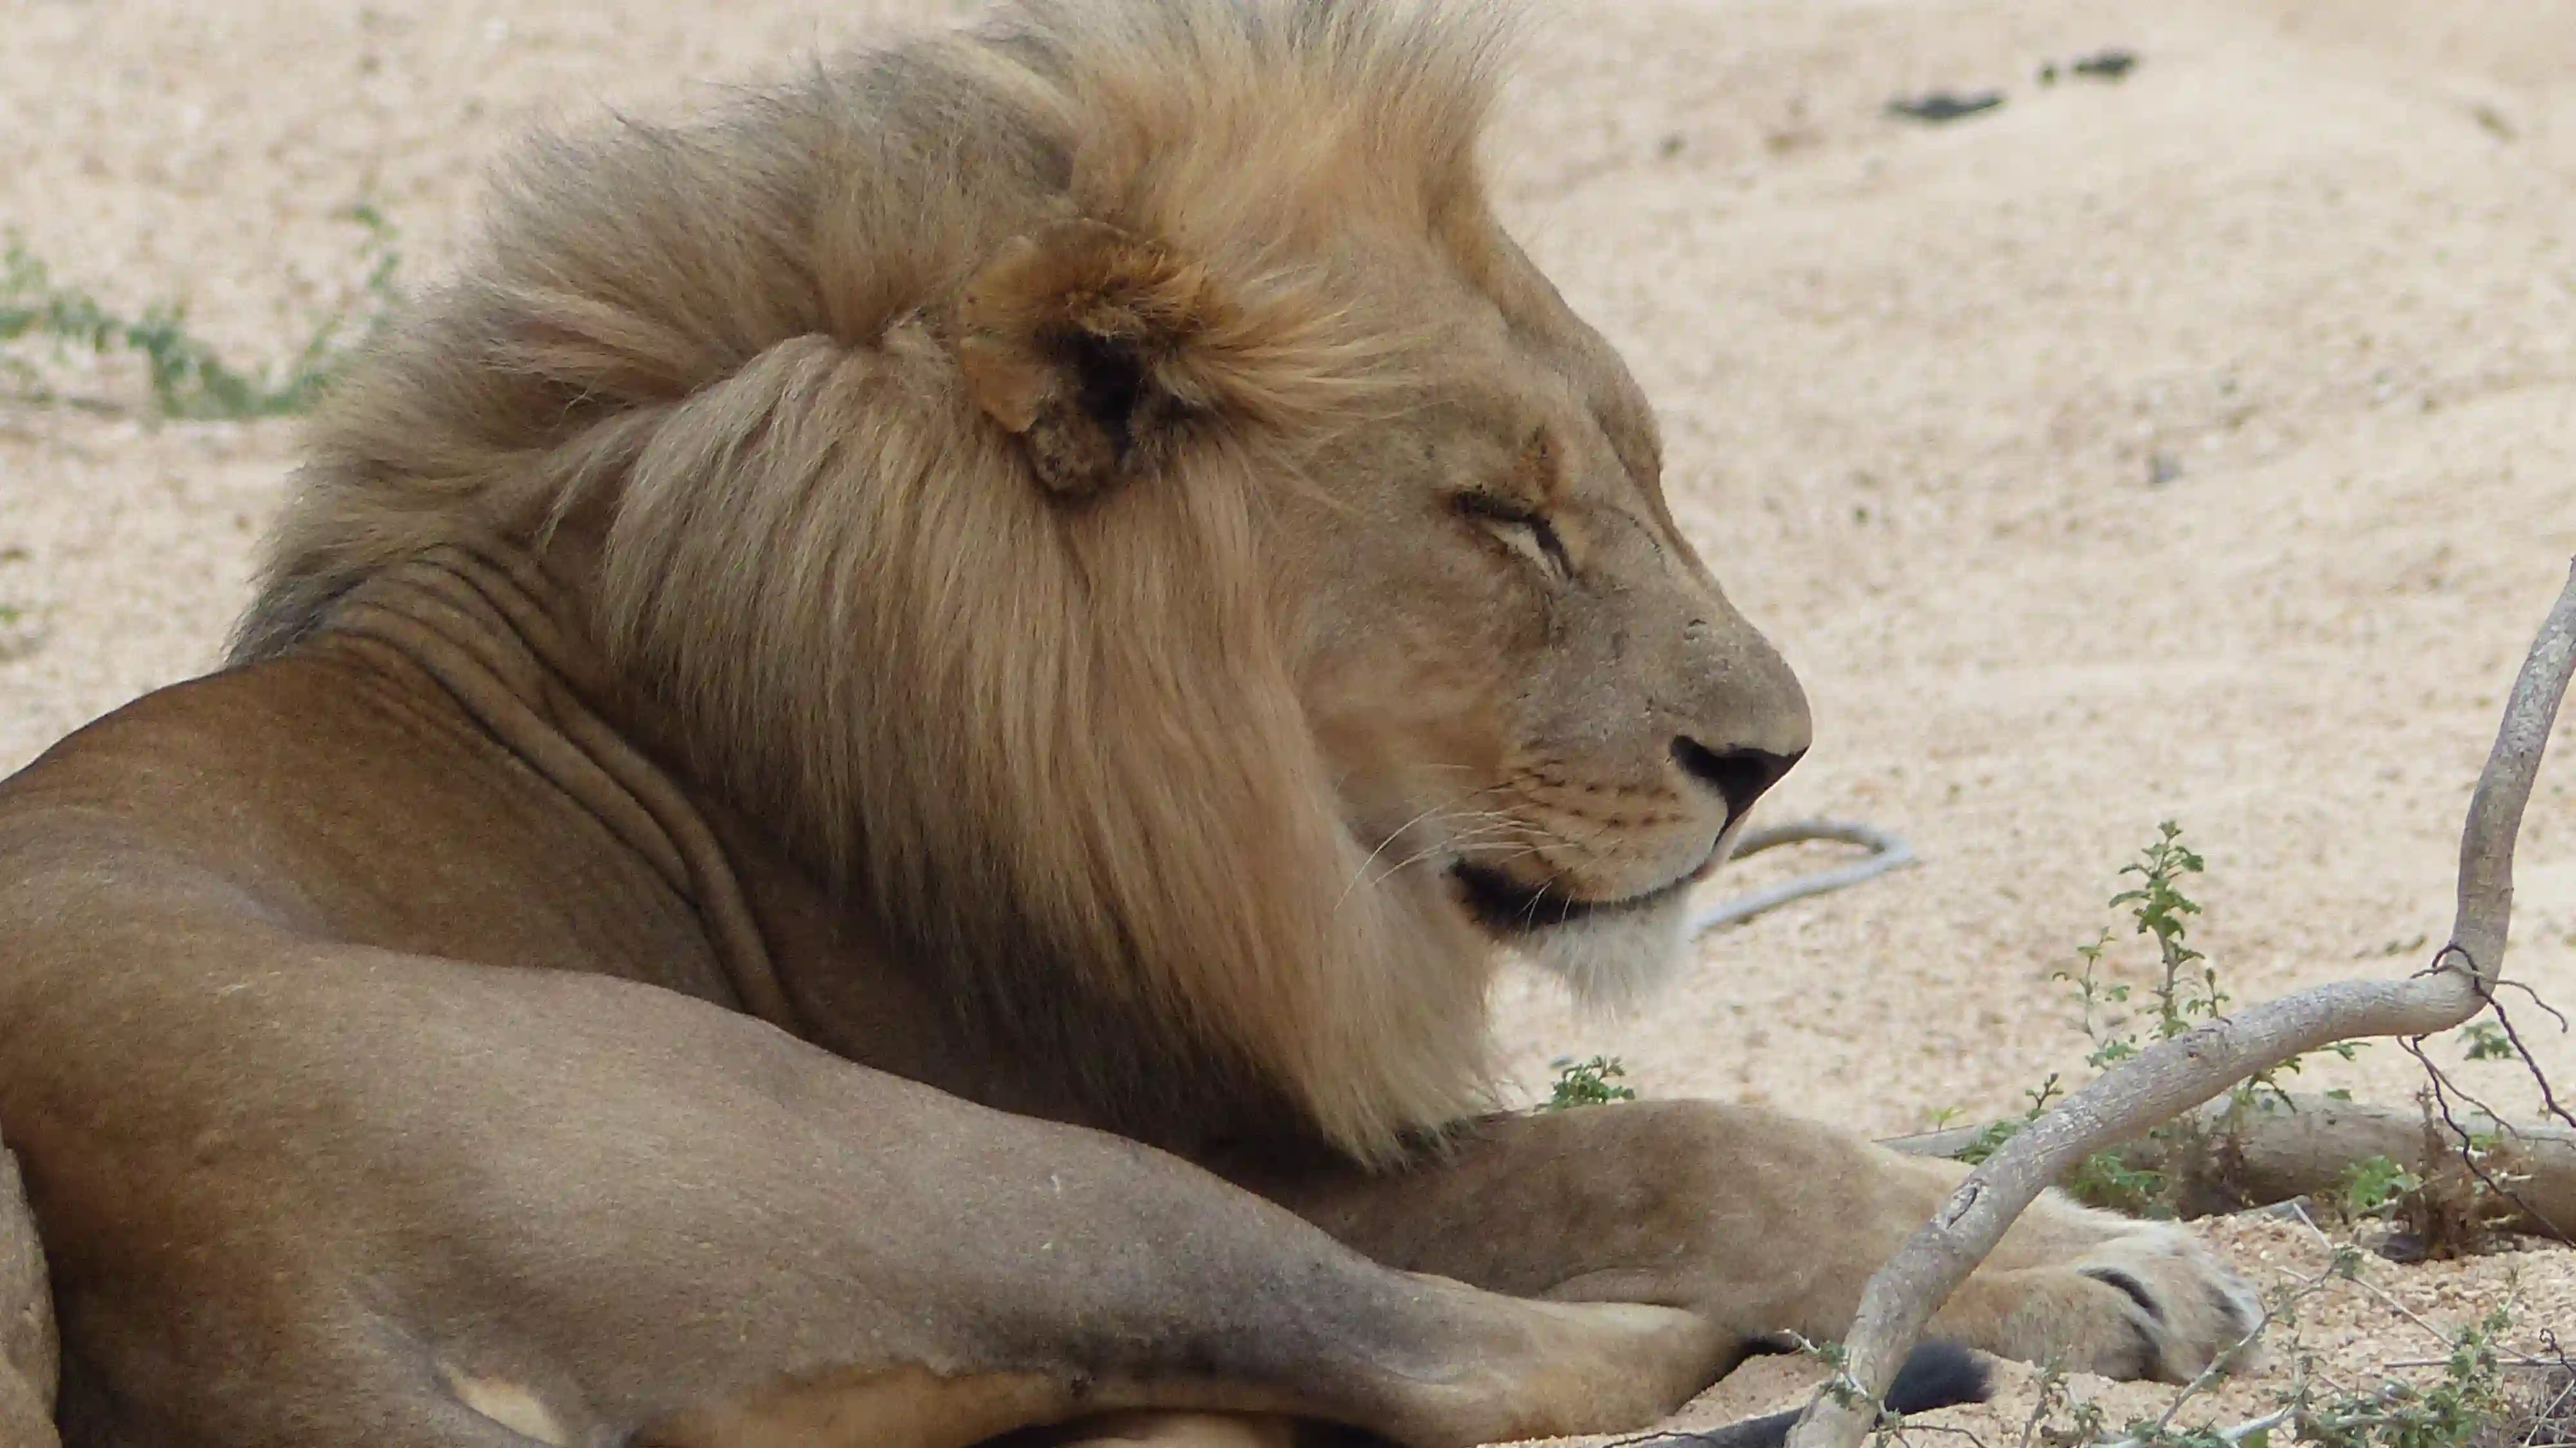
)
(1886, 852)
(2173, 1076)
(2304, 1146)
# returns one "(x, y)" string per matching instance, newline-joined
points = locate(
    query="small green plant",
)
(2188, 994)
(2194, 1152)
(2374, 1186)
(2486, 1041)
(2099, 1002)
(1994, 1134)
(1587, 1083)
(187, 376)
(1839, 1384)
(2107, 1179)
(2185, 993)
(2162, 910)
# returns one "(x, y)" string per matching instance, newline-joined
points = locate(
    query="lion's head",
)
(1109, 495)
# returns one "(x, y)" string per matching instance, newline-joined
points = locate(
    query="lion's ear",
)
(1077, 338)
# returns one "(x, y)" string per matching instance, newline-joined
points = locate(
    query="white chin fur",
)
(1613, 959)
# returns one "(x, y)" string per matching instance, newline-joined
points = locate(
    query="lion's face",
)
(1537, 713)
(1533, 695)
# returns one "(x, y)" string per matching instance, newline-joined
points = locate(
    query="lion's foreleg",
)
(882, 1253)
(1765, 1224)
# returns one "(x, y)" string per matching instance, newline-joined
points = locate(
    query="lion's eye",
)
(1524, 527)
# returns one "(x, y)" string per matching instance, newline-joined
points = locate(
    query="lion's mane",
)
(1049, 750)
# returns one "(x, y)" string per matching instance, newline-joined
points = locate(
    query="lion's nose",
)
(1738, 775)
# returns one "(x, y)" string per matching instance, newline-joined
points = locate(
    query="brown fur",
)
(1026, 599)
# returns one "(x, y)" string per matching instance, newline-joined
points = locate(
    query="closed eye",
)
(1524, 527)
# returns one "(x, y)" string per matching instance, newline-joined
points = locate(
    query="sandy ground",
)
(2196, 447)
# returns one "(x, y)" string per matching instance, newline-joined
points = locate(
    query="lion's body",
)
(872, 668)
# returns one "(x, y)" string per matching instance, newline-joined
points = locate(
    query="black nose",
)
(1738, 775)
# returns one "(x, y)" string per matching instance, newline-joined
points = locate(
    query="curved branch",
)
(2175, 1075)
(1886, 852)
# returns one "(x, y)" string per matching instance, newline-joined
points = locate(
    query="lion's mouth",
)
(1506, 906)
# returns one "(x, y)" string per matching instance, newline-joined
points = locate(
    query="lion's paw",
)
(2148, 1300)
(2187, 1309)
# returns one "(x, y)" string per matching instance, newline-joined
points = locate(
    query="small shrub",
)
(2194, 1155)
(2486, 1041)
(2373, 1187)
(1587, 1083)
(188, 378)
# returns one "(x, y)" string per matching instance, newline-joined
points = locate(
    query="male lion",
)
(871, 798)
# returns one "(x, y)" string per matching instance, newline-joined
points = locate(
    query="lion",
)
(872, 791)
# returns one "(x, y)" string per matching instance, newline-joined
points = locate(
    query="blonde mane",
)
(1049, 749)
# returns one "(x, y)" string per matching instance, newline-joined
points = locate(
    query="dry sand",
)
(2196, 446)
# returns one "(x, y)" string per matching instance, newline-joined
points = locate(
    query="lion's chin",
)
(1611, 952)
(1613, 958)
(1610, 957)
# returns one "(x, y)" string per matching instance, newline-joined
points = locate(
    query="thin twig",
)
(2554, 1012)
(2232, 1433)
(2508, 1362)
(2388, 1300)
(2548, 1097)
(2353, 1275)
